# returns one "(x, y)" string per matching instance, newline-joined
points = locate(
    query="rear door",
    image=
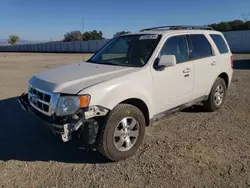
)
(204, 60)
(224, 57)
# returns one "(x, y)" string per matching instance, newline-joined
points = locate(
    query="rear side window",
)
(200, 46)
(220, 43)
(177, 46)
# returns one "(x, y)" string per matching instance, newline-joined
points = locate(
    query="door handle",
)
(213, 63)
(187, 70)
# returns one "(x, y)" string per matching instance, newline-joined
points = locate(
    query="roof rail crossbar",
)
(178, 27)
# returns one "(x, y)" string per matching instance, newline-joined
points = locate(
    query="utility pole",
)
(82, 24)
(245, 17)
(82, 34)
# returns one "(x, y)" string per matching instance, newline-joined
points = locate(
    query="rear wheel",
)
(123, 132)
(217, 95)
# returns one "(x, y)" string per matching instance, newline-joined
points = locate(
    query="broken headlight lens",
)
(68, 105)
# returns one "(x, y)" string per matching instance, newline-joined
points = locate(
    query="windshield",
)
(131, 51)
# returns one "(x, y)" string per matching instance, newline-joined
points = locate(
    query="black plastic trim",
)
(166, 113)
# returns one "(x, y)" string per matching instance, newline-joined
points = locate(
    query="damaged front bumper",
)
(65, 125)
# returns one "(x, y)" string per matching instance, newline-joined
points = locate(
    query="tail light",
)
(232, 61)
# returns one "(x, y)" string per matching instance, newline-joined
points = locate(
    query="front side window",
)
(176, 46)
(130, 50)
(201, 48)
(220, 43)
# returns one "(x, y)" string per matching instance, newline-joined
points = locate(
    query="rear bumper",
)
(230, 76)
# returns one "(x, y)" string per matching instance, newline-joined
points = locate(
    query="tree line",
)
(77, 35)
(235, 25)
(89, 35)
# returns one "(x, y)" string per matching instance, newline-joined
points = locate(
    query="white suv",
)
(107, 102)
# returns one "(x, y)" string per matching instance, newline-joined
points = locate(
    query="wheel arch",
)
(222, 75)
(225, 77)
(141, 105)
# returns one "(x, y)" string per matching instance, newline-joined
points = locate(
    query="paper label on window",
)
(148, 37)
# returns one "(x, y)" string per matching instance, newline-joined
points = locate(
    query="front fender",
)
(111, 93)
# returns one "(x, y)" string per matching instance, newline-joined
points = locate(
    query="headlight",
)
(68, 105)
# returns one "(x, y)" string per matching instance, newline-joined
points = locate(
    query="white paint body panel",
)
(70, 79)
(171, 87)
(134, 85)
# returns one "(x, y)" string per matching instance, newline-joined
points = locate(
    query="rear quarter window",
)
(220, 43)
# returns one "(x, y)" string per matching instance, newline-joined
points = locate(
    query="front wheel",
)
(217, 96)
(123, 132)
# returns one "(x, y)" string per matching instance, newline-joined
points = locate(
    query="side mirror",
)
(167, 61)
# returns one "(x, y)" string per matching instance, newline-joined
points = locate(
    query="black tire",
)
(105, 141)
(210, 104)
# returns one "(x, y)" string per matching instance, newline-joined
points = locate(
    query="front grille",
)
(45, 97)
(40, 100)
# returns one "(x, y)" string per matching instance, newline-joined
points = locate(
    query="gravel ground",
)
(192, 148)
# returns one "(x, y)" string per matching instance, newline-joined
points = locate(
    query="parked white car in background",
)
(108, 101)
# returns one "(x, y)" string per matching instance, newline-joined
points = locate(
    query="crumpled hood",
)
(75, 77)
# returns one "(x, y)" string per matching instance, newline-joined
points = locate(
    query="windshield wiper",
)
(91, 61)
(122, 65)
(102, 62)
(109, 63)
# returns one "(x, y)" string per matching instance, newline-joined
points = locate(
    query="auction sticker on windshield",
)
(148, 37)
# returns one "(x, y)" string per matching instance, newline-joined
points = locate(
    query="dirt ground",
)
(192, 148)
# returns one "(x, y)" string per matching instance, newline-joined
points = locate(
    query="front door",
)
(173, 86)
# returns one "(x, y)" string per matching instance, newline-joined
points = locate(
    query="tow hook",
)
(66, 136)
(68, 129)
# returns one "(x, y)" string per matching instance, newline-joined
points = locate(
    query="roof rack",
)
(178, 27)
